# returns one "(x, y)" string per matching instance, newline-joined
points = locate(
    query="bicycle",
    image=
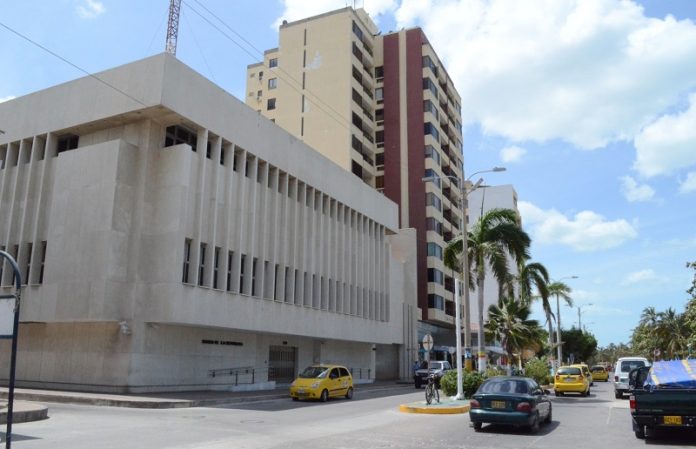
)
(431, 390)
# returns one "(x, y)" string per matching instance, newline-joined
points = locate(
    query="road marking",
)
(609, 415)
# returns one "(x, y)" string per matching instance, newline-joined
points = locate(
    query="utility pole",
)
(173, 26)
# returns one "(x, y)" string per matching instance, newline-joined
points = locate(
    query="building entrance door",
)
(282, 362)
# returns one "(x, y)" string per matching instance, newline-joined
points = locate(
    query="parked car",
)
(322, 382)
(624, 366)
(437, 367)
(663, 395)
(518, 401)
(570, 379)
(599, 373)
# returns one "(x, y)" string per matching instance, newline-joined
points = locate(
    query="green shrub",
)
(470, 383)
(448, 383)
(537, 369)
(492, 371)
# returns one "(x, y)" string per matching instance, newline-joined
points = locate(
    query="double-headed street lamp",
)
(580, 315)
(463, 202)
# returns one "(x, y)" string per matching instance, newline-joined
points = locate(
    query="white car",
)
(624, 366)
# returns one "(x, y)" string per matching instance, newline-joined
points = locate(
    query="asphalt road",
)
(371, 420)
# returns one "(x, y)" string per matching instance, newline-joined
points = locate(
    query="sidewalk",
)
(173, 400)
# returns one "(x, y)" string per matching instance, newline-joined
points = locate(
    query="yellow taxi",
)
(599, 373)
(585, 372)
(322, 382)
(570, 379)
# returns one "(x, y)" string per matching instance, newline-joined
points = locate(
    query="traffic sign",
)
(7, 312)
(428, 342)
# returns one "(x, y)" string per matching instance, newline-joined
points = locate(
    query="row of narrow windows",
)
(10, 158)
(241, 277)
(30, 275)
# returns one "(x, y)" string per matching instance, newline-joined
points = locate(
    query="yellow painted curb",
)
(434, 410)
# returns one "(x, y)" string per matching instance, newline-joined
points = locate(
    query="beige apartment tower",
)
(383, 107)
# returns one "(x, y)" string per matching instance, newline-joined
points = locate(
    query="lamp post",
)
(463, 202)
(559, 351)
(580, 315)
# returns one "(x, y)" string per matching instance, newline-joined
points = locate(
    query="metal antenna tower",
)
(173, 26)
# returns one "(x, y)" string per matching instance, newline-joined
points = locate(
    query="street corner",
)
(23, 411)
(446, 406)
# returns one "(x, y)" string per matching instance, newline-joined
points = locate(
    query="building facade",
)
(168, 235)
(383, 107)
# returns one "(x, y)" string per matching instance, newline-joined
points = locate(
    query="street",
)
(368, 421)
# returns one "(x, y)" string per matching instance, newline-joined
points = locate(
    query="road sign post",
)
(9, 312)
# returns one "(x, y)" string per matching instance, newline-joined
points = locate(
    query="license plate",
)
(301, 391)
(673, 420)
(569, 379)
(498, 404)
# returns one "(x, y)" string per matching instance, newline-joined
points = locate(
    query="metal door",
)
(281, 364)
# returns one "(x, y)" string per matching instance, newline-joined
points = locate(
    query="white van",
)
(624, 366)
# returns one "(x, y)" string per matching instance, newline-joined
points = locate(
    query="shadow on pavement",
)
(511, 430)
(16, 437)
(671, 437)
(289, 404)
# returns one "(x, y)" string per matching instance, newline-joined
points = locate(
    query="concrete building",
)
(165, 230)
(383, 107)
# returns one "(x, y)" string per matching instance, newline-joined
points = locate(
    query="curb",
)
(421, 407)
(24, 412)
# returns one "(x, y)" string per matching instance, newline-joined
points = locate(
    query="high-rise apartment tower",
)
(383, 107)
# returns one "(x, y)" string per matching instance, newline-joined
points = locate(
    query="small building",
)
(171, 238)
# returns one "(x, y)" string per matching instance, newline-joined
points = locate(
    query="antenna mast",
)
(173, 26)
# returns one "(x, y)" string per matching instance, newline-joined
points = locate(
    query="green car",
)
(518, 401)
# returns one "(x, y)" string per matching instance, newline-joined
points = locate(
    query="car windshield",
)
(505, 386)
(314, 372)
(569, 371)
(436, 365)
(629, 365)
(597, 369)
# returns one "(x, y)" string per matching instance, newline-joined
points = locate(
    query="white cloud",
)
(668, 144)
(89, 9)
(586, 231)
(512, 154)
(689, 184)
(635, 192)
(7, 98)
(588, 72)
(637, 277)
(301, 9)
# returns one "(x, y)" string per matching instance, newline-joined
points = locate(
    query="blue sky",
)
(591, 106)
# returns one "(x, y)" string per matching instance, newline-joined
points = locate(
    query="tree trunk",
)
(482, 338)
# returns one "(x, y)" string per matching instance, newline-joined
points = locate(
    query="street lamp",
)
(463, 205)
(580, 315)
(559, 351)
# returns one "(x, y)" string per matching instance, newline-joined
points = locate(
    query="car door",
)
(543, 401)
(334, 382)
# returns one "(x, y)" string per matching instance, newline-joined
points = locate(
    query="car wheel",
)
(477, 426)
(324, 396)
(295, 399)
(557, 394)
(417, 385)
(639, 430)
(534, 428)
(349, 393)
(618, 395)
(562, 393)
(549, 417)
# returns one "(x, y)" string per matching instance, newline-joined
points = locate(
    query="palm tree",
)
(534, 275)
(491, 240)
(561, 291)
(649, 316)
(510, 324)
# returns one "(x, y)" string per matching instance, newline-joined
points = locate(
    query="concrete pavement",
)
(173, 400)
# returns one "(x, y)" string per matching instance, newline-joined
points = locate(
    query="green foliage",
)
(537, 369)
(470, 382)
(583, 345)
(509, 323)
(493, 370)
